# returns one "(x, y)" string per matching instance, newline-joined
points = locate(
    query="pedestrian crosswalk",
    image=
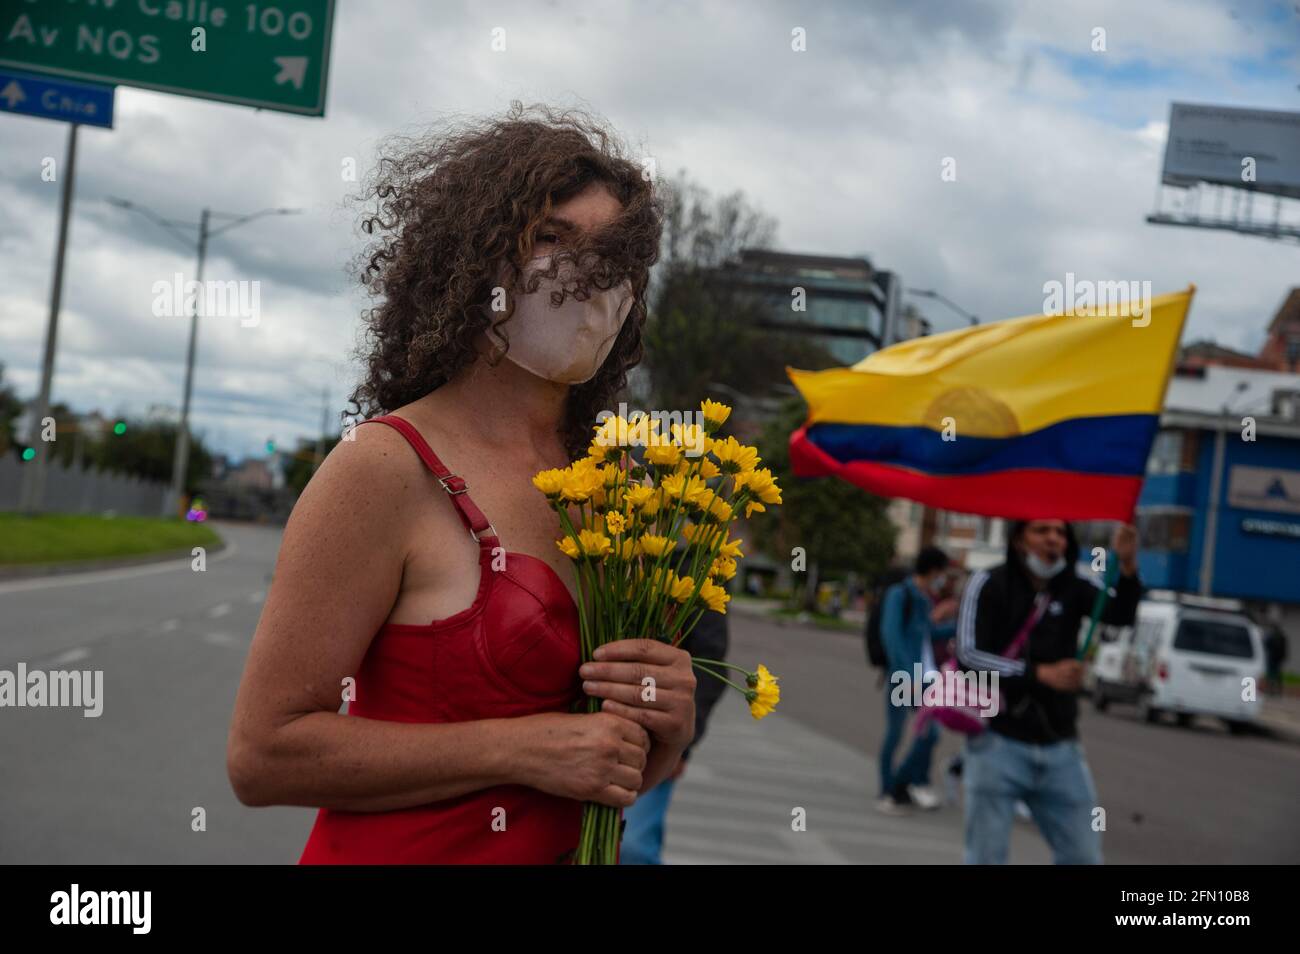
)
(750, 784)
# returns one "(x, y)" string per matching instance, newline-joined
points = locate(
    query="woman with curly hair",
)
(418, 579)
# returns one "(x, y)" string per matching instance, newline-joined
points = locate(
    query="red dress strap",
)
(455, 486)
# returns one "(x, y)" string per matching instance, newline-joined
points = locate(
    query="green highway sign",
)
(268, 55)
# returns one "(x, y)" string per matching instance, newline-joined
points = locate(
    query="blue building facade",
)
(1255, 551)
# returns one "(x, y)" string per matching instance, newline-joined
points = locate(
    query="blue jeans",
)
(643, 836)
(1053, 780)
(915, 769)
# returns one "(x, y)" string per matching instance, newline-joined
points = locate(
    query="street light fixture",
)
(931, 293)
(180, 461)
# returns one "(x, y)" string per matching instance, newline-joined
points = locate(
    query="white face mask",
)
(1041, 568)
(567, 344)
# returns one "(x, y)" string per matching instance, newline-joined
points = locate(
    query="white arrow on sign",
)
(293, 69)
(13, 93)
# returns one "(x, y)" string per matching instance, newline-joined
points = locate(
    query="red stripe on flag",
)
(1026, 494)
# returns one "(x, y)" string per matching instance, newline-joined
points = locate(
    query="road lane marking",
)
(69, 656)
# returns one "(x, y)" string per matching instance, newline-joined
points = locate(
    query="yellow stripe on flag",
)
(1010, 377)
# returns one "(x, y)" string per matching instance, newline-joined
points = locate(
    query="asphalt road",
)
(171, 642)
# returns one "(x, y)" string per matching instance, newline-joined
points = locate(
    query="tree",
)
(702, 329)
(146, 449)
(840, 527)
(10, 408)
(300, 467)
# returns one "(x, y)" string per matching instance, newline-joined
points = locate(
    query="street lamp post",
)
(32, 492)
(181, 457)
(931, 293)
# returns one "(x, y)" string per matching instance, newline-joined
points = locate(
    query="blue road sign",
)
(29, 95)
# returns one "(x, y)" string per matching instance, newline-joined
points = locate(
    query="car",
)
(1186, 656)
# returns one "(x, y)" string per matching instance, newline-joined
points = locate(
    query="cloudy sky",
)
(1057, 151)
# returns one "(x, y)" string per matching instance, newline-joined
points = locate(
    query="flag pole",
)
(1099, 604)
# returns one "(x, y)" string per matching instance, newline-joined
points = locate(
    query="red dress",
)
(513, 652)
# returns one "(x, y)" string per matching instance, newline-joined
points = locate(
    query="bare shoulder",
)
(349, 528)
(363, 483)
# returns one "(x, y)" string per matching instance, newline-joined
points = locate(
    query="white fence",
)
(72, 490)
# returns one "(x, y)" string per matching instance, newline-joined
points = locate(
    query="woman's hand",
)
(648, 682)
(592, 757)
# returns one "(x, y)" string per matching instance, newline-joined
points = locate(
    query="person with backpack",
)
(1022, 620)
(906, 636)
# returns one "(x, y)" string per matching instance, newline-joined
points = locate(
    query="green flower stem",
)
(743, 690)
(719, 662)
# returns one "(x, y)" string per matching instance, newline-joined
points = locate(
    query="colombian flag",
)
(1049, 416)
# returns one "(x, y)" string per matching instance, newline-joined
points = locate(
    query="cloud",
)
(1057, 149)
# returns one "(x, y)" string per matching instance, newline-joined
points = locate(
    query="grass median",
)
(70, 538)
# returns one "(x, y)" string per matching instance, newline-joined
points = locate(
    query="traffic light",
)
(270, 445)
(119, 428)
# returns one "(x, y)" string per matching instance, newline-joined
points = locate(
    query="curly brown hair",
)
(455, 212)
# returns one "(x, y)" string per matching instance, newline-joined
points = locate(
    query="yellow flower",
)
(650, 508)
(610, 436)
(679, 588)
(714, 597)
(690, 437)
(708, 469)
(761, 485)
(691, 491)
(625, 550)
(637, 496)
(723, 568)
(640, 428)
(700, 536)
(719, 511)
(764, 693)
(550, 482)
(715, 415)
(594, 543)
(661, 452)
(609, 475)
(735, 457)
(569, 547)
(615, 522)
(730, 549)
(581, 480)
(654, 546)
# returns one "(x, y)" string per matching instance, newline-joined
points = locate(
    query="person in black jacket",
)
(1031, 751)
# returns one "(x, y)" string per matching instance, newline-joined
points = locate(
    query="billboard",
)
(1264, 488)
(1211, 144)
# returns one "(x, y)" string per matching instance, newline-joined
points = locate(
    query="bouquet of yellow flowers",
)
(632, 526)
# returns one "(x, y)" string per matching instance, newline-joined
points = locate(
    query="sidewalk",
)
(736, 802)
(1281, 716)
